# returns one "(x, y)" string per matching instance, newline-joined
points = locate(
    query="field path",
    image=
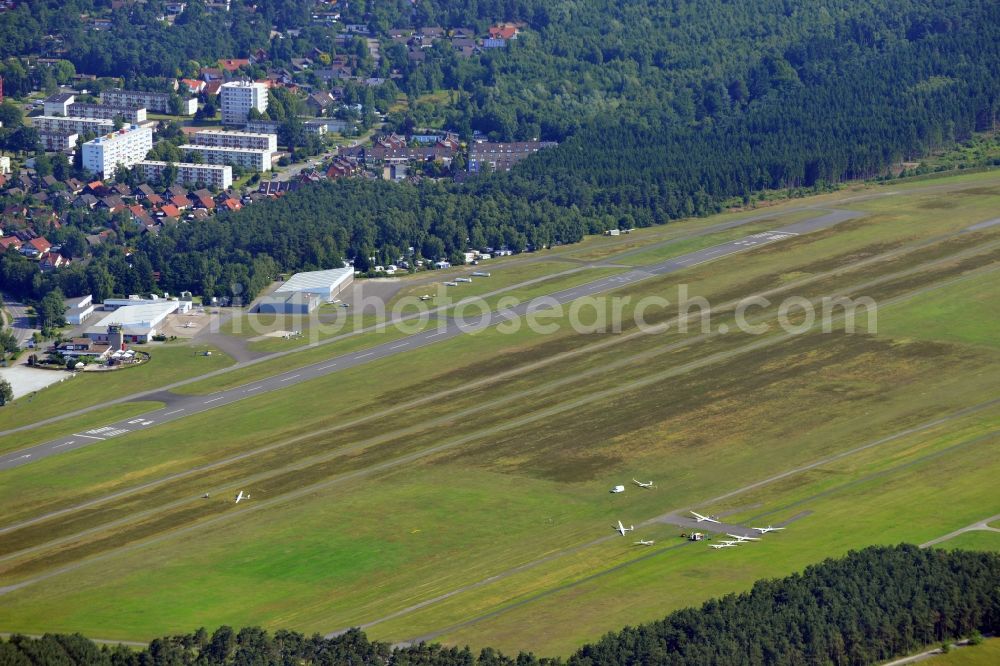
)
(982, 525)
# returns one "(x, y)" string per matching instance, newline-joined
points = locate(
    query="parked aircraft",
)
(242, 496)
(425, 297)
(721, 545)
(765, 530)
(463, 279)
(643, 542)
(701, 518)
(621, 529)
(648, 484)
(740, 537)
(618, 489)
(732, 543)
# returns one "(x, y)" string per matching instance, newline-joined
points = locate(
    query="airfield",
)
(450, 482)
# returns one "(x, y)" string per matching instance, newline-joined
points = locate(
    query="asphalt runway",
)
(178, 406)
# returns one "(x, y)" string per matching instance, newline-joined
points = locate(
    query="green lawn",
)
(985, 654)
(98, 417)
(393, 483)
(977, 540)
(169, 363)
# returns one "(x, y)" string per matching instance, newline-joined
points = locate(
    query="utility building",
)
(324, 284)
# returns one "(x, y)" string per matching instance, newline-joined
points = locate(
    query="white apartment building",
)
(59, 125)
(58, 104)
(129, 114)
(255, 159)
(156, 102)
(236, 140)
(63, 142)
(219, 176)
(124, 148)
(238, 97)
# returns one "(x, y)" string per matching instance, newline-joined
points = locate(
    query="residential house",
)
(36, 248)
(194, 86)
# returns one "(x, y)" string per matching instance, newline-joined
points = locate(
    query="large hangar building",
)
(304, 292)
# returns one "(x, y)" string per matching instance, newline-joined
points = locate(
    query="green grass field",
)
(168, 363)
(460, 492)
(976, 540)
(985, 654)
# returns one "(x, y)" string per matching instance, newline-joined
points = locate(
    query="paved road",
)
(981, 525)
(20, 323)
(179, 406)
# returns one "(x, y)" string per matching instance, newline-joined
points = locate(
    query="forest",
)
(866, 607)
(663, 110)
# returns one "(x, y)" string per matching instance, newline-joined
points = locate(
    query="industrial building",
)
(238, 97)
(124, 148)
(71, 124)
(138, 323)
(248, 158)
(117, 303)
(129, 114)
(156, 102)
(288, 303)
(219, 176)
(78, 309)
(324, 284)
(222, 139)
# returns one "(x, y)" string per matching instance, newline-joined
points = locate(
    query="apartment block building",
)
(255, 159)
(156, 102)
(123, 148)
(238, 97)
(219, 176)
(62, 142)
(133, 115)
(236, 140)
(60, 125)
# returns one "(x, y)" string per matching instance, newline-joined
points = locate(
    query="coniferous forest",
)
(866, 607)
(663, 109)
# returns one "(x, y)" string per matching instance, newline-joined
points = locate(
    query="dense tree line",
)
(663, 110)
(864, 608)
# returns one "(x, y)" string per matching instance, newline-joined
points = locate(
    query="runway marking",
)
(364, 355)
(119, 431)
(59, 446)
(325, 367)
(288, 379)
(173, 412)
(405, 344)
(214, 399)
(434, 335)
(253, 388)
(88, 436)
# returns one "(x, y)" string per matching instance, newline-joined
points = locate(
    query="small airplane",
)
(425, 297)
(721, 545)
(740, 538)
(648, 484)
(621, 529)
(643, 542)
(701, 518)
(732, 543)
(242, 496)
(765, 530)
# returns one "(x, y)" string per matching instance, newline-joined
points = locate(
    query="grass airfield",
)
(460, 492)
